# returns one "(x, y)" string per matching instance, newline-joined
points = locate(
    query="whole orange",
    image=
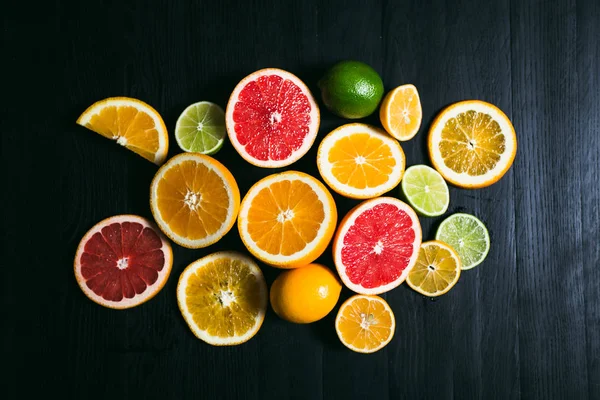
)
(306, 294)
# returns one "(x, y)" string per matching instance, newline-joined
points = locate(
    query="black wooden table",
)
(523, 325)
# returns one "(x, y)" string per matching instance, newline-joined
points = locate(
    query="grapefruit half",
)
(122, 262)
(376, 245)
(272, 118)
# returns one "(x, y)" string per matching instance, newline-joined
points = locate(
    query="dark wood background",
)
(523, 325)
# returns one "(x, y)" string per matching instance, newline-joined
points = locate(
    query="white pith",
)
(163, 144)
(137, 299)
(456, 258)
(325, 166)
(181, 298)
(323, 196)
(343, 230)
(308, 140)
(348, 303)
(225, 226)
(425, 170)
(199, 127)
(464, 178)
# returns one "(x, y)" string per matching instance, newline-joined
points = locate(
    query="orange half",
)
(287, 219)
(365, 324)
(194, 200)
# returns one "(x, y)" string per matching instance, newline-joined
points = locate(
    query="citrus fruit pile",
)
(288, 219)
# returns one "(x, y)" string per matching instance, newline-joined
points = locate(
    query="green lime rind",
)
(468, 236)
(351, 89)
(201, 128)
(425, 190)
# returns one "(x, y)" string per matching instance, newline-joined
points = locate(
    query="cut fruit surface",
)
(437, 269)
(472, 144)
(122, 262)
(194, 200)
(201, 128)
(365, 324)
(400, 112)
(287, 219)
(376, 245)
(426, 190)
(360, 161)
(272, 118)
(223, 298)
(131, 123)
(468, 236)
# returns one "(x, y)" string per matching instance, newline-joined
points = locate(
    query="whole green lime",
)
(351, 89)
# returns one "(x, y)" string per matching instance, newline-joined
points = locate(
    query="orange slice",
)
(223, 298)
(472, 144)
(365, 324)
(360, 161)
(437, 269)
(287, 219)
(131, 123)
(194, 200)
(401, 113)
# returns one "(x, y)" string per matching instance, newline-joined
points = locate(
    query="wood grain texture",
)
(523, 325)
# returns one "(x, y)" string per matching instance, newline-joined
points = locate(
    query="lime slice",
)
(468, 236)
(201, 128)
(425, 190)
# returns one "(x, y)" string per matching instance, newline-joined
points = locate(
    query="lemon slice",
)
(472, 144)
(437, 269)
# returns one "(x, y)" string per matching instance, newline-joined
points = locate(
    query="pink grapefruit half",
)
(376, 245)
(123, 261)
(272, 118)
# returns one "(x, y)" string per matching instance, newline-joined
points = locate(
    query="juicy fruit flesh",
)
(378, 246)
(192, 200)
(284, 217)
(365, 324)
(202, 128)
(472, 143)
(435, 269)
(425, 189)
(405, 112)
(224, 298)
(467, 237)
(128, 126)
(122, 260)
(272, 118)
(361, 161)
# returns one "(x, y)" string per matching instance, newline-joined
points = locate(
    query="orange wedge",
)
(131, 123)
(360, 161)
(400, 112)
(365, 324)
(194, 200)
(287, 219)
(472, 144)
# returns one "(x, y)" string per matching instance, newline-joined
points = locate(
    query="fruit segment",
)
(122, 262)
(287, 219)
(365, 324)
(272, 118)
(376, 245)
(360, 161)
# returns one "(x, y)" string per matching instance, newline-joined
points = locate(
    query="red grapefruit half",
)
(272, 118)
(122, 262)
(376, 245)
